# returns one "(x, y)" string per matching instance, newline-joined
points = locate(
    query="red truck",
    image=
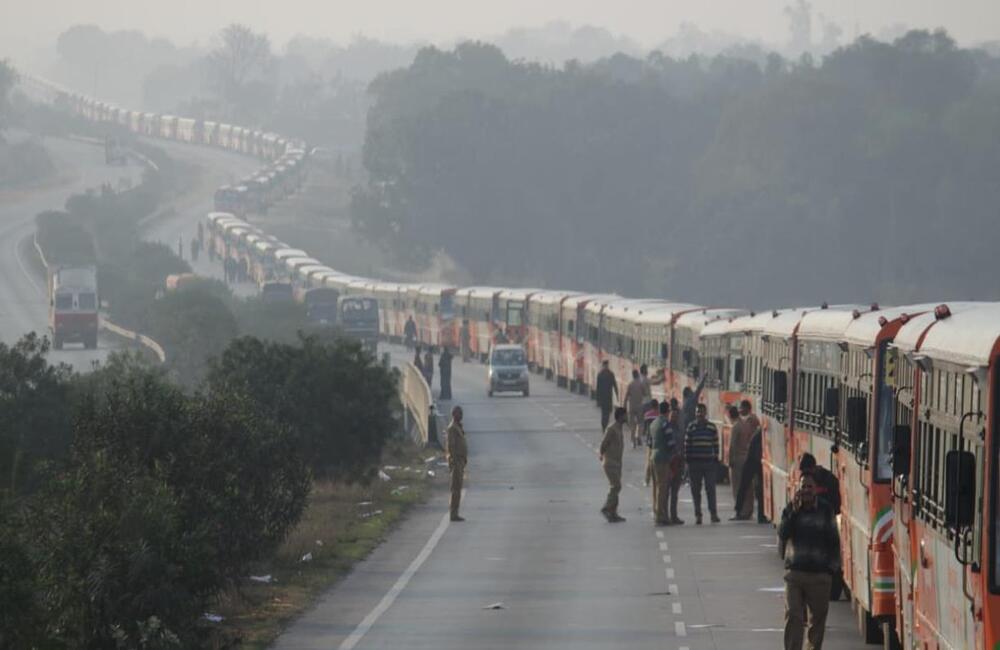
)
(73, 305)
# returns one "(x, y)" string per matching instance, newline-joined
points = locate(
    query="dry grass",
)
(341, 525)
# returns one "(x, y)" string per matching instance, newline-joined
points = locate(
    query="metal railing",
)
(419, 414)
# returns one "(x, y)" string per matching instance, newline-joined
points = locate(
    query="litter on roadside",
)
(215, 618)
(262, 579)
(307, 557)
(495, 606)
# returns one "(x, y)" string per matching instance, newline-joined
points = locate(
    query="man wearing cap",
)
(612, 449)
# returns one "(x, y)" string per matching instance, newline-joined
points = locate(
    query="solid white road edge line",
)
(397, 588)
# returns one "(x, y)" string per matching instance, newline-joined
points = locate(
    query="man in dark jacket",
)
(444, 364)
(605, 390)
(808, 534)
(752, 481)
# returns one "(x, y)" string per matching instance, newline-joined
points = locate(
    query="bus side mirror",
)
(738, 366)
(960, 489)
(831, 402)
(779, 387)
(901, 450)
(857, 419)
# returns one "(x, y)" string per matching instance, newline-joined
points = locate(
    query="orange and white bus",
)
(945, 464)
(618, 340)
(481, 307)
(863, 463)
(544, 313)
(513, 313)
(434, 314)
(573, 339)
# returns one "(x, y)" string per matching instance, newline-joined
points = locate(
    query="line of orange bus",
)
(900, 403)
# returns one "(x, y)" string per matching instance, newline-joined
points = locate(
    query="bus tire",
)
(57, 342)
(91, 342)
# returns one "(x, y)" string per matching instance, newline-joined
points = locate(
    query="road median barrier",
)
(420, 418)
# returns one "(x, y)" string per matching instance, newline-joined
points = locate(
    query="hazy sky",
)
(27, 25)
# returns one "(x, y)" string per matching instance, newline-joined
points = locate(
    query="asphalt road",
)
(535, 542)
(23, 303)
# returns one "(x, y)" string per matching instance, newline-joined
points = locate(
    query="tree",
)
(333, 394)
(242, 57)
(165, 501)
(35, 413)
(193, 326)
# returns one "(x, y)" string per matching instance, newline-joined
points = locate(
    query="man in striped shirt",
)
(702, 451)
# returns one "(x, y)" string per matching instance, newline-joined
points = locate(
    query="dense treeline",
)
(870, 175)
(128, 505)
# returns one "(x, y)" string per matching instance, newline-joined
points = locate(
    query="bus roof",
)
(551, 297)
(831, 324)
(664, 312)
(282, 253)
(965, 337)
(864, 329)
(783, 325)
(699, 319)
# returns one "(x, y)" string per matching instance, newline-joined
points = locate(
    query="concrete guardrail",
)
(419, 413)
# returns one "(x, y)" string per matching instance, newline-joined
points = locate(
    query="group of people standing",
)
(680, 441)
(425, 364)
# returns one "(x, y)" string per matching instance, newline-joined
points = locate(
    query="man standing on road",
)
(739, 447)
(444, 364)
(612, 449)
(466, 338)
(702, 448)
(676, 463)
(410, 332)
(811, 542)
(634, 400)
(418, 361)
(664, 448)
(458, 456)
(605, 390)
(429, 367)
(752, 481)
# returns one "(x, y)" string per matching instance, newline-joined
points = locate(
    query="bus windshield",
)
(885, 414)
(447, 305)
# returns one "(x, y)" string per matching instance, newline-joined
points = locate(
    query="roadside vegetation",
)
(130, 505)
(692, 168)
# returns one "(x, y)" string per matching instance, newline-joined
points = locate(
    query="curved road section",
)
(23, 301)
(23, 294)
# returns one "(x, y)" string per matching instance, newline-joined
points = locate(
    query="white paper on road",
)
(264, 579)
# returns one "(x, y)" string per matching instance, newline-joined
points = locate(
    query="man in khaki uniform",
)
(635, 394)
(458, 456)
(612, 448)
